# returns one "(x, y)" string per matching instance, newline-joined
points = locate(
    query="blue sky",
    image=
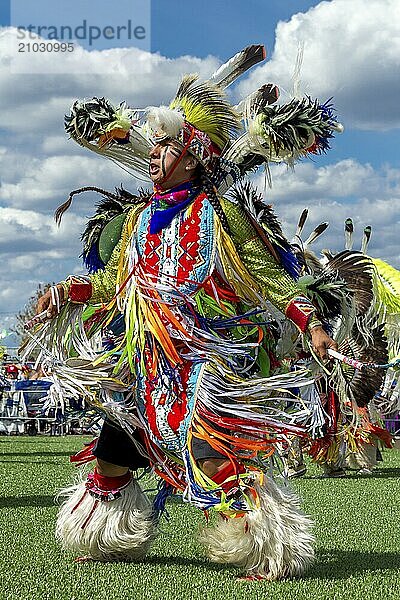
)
(351, 52)
(219, 27)
(228, 24)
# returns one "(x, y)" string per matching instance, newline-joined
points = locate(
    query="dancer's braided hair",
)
(209, 188)
(122, 196)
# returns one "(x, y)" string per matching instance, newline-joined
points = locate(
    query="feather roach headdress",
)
(199, 117)
(228, 141)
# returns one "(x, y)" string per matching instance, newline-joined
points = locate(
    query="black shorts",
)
(117, 447)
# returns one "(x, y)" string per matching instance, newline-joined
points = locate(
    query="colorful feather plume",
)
(111, 131)
(204, 106)
(89, 118)
(343, 285)
(284, 133)
(328, 293)
(295, 128)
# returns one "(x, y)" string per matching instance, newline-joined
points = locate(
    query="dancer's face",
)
(163, 157)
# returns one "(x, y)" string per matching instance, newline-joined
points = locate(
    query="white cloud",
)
(58, 144)
(45, 182)
(118, 74)
(23, 231)
(28, 221)
(344, 179)
(335, 192)
(351, 52)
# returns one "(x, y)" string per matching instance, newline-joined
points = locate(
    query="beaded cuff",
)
(80, 289)
(300, 310)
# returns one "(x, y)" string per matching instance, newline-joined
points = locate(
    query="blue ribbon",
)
(163, 217)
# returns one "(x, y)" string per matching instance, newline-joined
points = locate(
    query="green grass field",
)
(357, 530)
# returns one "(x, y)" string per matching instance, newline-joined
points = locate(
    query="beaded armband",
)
(79, 289)
(300, 310)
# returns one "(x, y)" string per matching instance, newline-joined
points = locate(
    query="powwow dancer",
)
(184, 293)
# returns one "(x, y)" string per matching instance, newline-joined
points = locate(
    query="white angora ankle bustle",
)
(106, 519)
(273, 541)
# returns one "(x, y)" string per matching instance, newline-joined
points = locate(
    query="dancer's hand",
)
(48, 305)
(321, 342)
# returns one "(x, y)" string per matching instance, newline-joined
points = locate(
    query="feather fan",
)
(361, 386)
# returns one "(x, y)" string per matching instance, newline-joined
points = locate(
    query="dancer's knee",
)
(109, 469)
(211, 466)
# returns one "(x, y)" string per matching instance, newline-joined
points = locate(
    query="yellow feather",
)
(205, 107)
(387, 285)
